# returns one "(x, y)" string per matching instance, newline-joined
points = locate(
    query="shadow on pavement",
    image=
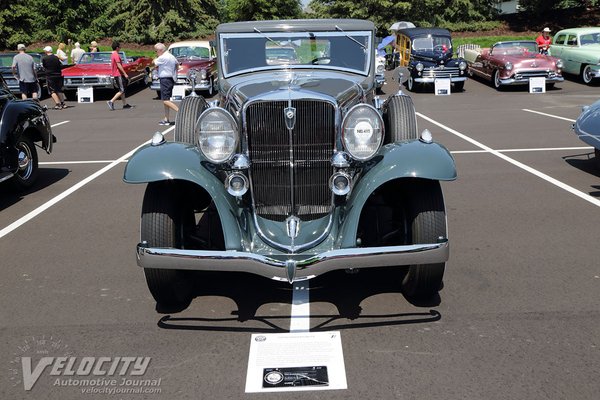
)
(46, 177)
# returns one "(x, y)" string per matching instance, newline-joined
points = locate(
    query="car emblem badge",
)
(289, 114)
(293, 226)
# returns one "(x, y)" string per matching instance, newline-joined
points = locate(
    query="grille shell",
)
(289, 176)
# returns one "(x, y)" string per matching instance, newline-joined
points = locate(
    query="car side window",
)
(560, 39)
(572, 40)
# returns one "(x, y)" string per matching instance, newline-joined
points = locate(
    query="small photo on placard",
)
(295, 376)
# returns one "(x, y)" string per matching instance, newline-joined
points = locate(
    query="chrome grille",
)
(280, 186)
(441, 73)
(534, 74)
(88, 80)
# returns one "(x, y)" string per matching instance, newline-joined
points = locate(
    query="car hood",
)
(433, 56)
(87, 70)
(185, 64)
(530, 60)
(337, 87)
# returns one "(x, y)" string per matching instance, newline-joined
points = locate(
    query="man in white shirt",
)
(76, 53)
(167, 73)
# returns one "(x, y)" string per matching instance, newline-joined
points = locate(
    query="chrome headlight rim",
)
(559, 63)
(462, 65)
(508, 66)
(381, 131)
(419, 67)
(202, 135)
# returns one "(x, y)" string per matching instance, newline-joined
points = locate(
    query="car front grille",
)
(83, 80)
(439, 72)
(290, 176)
(535, 74)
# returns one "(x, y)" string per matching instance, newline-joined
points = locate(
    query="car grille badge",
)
(293, 226)
(290, 117)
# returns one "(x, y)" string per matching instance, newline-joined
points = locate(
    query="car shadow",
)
(344, 291)
(587, 163)
(46, 177)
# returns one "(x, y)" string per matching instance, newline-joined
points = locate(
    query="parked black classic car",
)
(298, 169)
(428, 55)
(23, 123)
(6, 60)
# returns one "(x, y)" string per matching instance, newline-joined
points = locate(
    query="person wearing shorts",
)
(119, 77)
(167, 74)
(54, 78)
(23, 68)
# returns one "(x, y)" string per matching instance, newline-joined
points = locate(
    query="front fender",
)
(179, 161)
(413, 159)
(21, 115)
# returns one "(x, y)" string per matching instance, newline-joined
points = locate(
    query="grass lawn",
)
(487, 41)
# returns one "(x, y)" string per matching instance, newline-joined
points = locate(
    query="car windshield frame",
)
(517, 47)
(176, 49)
(97, 53)
(355, 41)
(420, 38)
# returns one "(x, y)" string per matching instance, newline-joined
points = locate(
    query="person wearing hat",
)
(23, 68)
(54, 78)
(93, 47)
(76, 53)
(544, 41)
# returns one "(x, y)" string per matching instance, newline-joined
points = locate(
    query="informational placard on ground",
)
(281, 362)
(442, 87)
(85, 94)
(537, 85)
(178, 93)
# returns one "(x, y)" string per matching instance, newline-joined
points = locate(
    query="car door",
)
(558, 44)
(569, 54)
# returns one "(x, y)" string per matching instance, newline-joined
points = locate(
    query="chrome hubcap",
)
(24, 160)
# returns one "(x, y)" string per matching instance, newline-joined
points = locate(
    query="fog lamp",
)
(236, 184)
(340, 184)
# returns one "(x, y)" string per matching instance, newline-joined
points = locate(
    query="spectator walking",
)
(54, 78)
(167, 74)
(60, 53)
(544, 41)
(93, 47)
(76, 53)
(23, 68)
(119, 77)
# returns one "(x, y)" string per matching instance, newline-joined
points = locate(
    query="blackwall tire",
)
(459, 86)
(597, 157)
(27, 173)
(400, 119)
(426, 217)
(185, 122)
(162, 226)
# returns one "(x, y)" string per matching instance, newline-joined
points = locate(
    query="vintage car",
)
(281, 55)
(7, 73)
(380, 62)
(579, 48)
(297, 170)
(428, 55)
(587, 128)
(23, 124)
(196, 55)
(94, 70)
(513, 63)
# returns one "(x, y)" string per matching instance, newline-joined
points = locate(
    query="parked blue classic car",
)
(298, 169)
(587, 128)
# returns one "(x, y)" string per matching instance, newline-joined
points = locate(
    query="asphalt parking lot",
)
(518, 318)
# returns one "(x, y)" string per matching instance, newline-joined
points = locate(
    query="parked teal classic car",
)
(297, 170)
(579, 49)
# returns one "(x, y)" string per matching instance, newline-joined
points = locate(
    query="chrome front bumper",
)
(202, 85)
(292, 267)
(525, 81)
(432, 79)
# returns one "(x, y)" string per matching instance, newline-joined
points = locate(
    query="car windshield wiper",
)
(337, 28)
(268, 38)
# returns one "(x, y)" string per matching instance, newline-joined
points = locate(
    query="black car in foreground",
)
(428, 55)
(23, 123)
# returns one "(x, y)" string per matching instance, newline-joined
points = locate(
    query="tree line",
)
(149, 21)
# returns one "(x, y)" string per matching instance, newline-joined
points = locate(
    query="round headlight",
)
(419, 67)
(380, 68)
(508, 66)
(217, 134)
(203, 74)
(462, 65)
(559, 63)
(362, 132)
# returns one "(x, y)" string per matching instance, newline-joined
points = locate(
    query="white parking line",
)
(300, 314)
(69, 191)
(79, 162)
(516, 163)
(548, 115)
(59, 123)
(523, 150)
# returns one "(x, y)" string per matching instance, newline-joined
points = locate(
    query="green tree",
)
(256, 10)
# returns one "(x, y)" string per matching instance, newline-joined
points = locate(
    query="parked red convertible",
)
(94, 70)
(513, 63)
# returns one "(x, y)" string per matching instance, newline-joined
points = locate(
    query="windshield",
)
(190, 52)
(249, 52)
(515, 48)
(99, 57)
(432, 43)
(590, 38)
(6, 59)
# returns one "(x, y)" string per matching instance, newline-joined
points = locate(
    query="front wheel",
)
(459, 86)
(597, 157)
(496, 80)
(587, 75)
(426, 219)
(185, 122)
(27, 160)
(411, 84)
(401, 119)
(162, 226)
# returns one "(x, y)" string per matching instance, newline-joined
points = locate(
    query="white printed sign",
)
(537, 85)
(283, 362)
(85, 94)
(178, 93)
(442, 87)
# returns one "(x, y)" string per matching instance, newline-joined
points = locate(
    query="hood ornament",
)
(293, 226)
(289, 113)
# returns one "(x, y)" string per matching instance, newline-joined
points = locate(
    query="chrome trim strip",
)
(305, 266)
(432, 80)
(7, 176)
